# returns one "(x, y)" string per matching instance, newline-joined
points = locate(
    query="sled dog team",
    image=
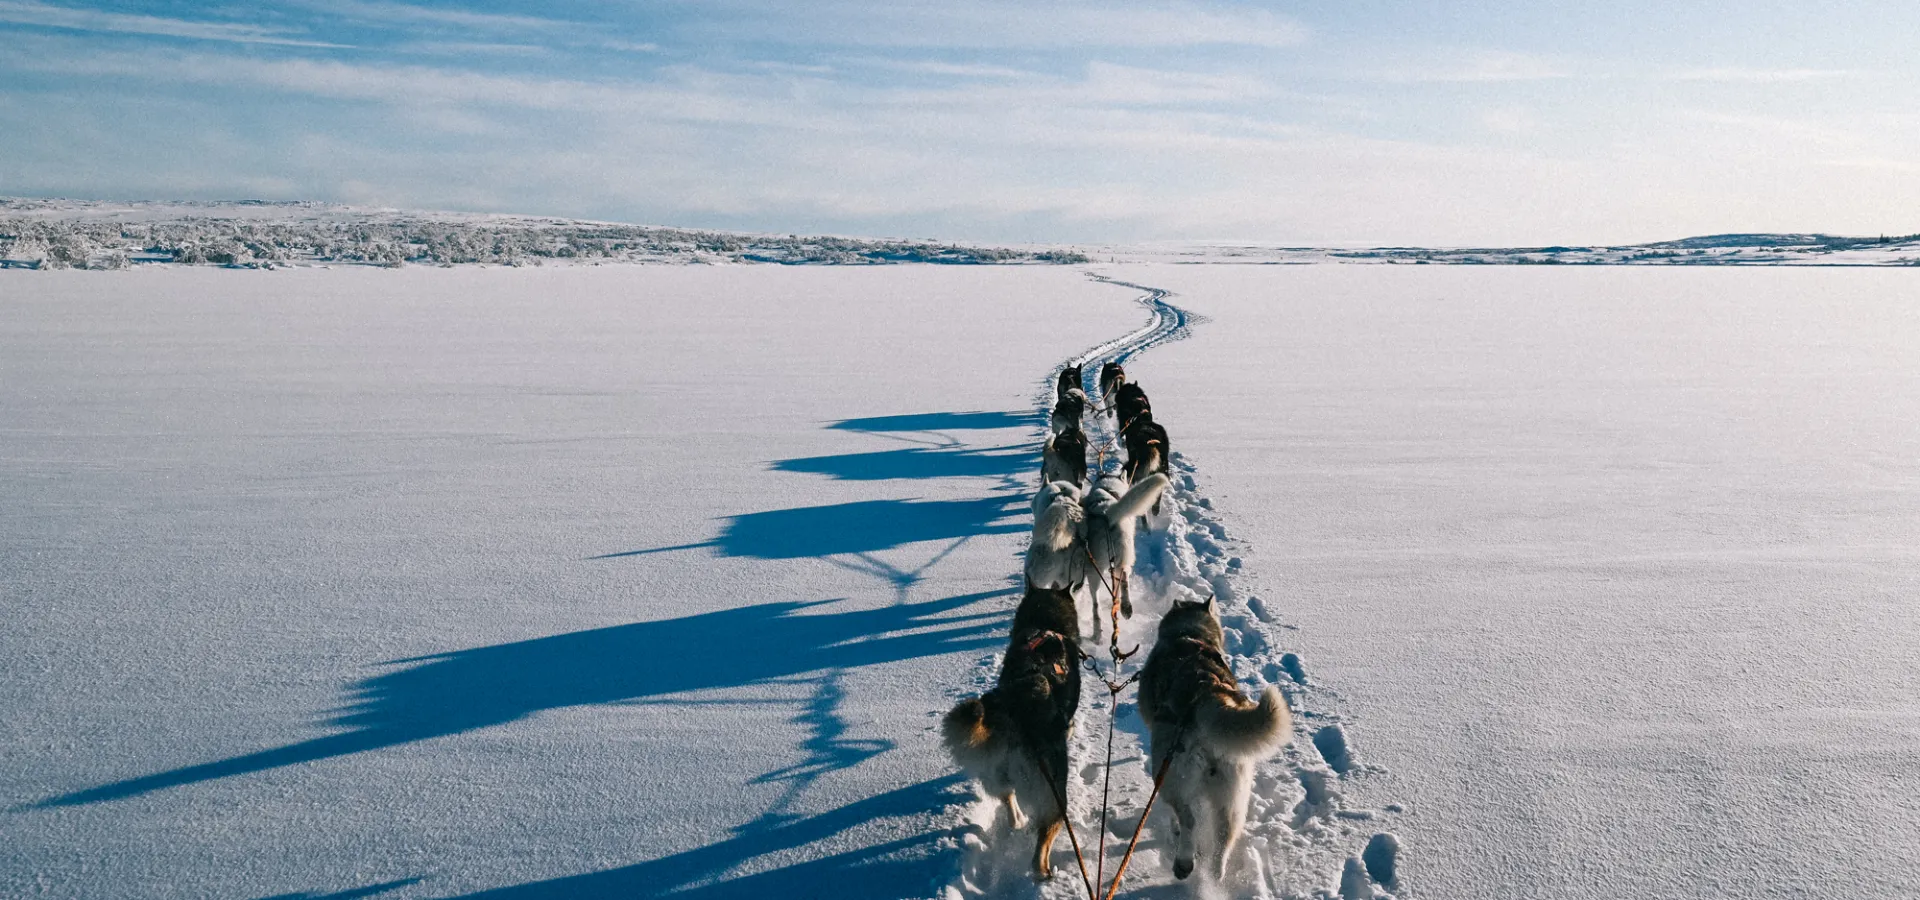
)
(1208, 736)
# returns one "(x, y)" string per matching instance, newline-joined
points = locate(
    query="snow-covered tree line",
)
(37, 242)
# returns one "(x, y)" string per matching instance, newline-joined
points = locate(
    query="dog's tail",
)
(1055, 524)
(1137, 498)
(1241, 728)
(968, 734)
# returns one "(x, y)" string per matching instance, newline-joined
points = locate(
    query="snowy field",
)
(1611, 569)
(301, 595)
(652, 581)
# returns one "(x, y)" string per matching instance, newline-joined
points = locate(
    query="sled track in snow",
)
(1302, 839)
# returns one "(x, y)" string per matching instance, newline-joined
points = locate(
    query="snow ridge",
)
(1302, 839)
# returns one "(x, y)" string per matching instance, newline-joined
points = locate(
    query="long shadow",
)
(353, 894)
(917, 462)
(860, 527)
(902, 868)
(943, 421)
(455, 692)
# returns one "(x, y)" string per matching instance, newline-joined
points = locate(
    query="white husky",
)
(1110, 511)
(1196, 715)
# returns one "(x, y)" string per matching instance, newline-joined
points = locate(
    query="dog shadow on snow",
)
(773, 644)
(852, 534)
(463, 690)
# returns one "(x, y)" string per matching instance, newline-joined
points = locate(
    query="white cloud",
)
(1478, 67)
(397, 13)
(26, 12)
(1738, 75)
(1002, 24)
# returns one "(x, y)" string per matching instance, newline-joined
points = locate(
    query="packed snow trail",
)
(1301, 839)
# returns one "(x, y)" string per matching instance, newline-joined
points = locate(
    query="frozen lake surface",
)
(651, 581)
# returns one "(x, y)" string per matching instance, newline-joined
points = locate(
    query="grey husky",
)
(1014, 738)
(1196, 714)
(1110, 510)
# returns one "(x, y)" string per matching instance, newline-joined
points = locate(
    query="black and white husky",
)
(1070, 379)
(1014, 737)
(1129, 403)
(1065, 457)
(1195, 712)
(1111, 377)
(1069, 410)
(1148, 448)
(1110, 510)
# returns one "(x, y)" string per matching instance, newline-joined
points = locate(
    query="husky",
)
(1070, 380)
(1065, 458)
(1110, 509)
(1147, 448)
(1069, 410)
(1129, 405)
(1013, 738)
(1196, 715)
(1111, 378)
(1057, 555)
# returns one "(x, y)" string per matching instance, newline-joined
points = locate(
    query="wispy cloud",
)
(1003, 24)
(386, 13)
(936, 67)
(26, 12)
(1778, 128)
(1739, 75)
(1478, 67)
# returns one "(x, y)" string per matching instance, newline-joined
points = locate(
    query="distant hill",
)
(40, 234)
(1835, 242)
(84, 234)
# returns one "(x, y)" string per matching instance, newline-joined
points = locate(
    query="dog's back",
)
(1038, 691)
(1013, 738)
(1069, 410)
(1148, 448)
(1187, 686)
(1111, 376)
(1041, 675)
(1204, 735)
(1065, 457)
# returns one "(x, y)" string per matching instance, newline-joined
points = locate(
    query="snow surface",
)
(302, 598)
(645, 581)
(1610, 569)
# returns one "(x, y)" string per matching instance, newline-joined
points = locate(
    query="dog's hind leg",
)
(1232, 818)
(1180, 810)
(1043, 849)
(1051, 811)
(1093, 608)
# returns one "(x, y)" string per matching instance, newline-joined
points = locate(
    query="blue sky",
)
(1372, 122)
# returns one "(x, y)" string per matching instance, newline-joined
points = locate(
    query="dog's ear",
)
(1209, 603)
